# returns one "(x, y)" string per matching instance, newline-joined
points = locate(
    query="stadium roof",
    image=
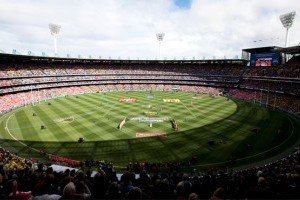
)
(261, 49)
(287, 50)
(44, 59)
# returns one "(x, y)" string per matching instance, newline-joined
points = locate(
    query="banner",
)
(151, 135)
(172, 100)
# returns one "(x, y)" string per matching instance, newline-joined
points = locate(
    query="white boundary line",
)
(208, 164)
(62, 121)
(11, 135)
(189, 110)
(8, 130)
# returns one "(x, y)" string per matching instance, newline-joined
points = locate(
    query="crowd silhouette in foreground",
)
(24, 179)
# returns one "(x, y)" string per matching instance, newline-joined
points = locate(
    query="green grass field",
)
(212, 129)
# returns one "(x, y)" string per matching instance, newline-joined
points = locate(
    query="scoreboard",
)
(265, 59)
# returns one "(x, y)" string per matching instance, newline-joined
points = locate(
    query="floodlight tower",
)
(287, 22)
(54, 30)
(160, 37)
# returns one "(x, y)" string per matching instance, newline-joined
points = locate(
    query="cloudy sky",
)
(127, 28)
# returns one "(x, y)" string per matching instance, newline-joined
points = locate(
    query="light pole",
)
(160, 37)
(287, 22)
(54, 30)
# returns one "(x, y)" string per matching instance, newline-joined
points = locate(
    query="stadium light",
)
(287, 22)
(54, 30)
(160, 37)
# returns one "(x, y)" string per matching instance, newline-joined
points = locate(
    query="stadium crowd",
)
(279, 86)
(24, 83)
(15, 78)
(24, 179)
(290, 70)
(34, 69)
(276, 100)
(280, 101)
(11, 101)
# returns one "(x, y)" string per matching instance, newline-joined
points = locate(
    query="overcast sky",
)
(127, 28)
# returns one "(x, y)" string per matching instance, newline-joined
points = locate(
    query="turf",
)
(210, 129)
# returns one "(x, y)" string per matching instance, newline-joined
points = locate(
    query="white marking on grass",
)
(109, 109)
(188, 109)
(66, 119)
(11, 135)
(7, 129)
(59, 120)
